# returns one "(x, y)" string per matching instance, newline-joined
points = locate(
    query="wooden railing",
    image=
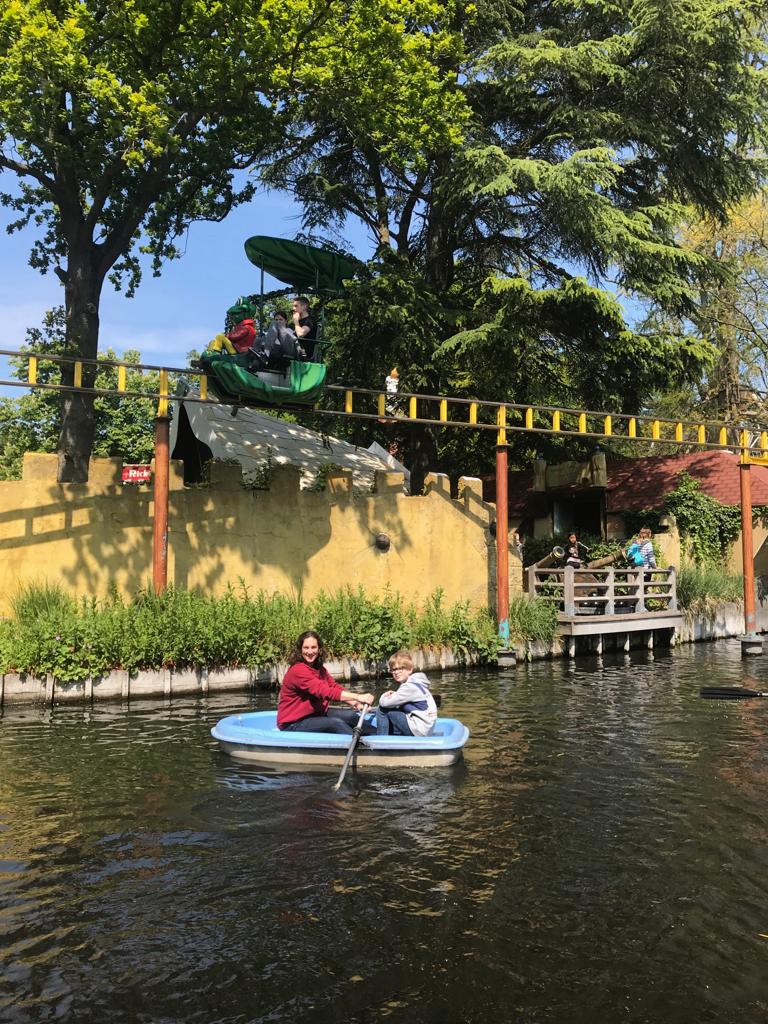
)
(608, 591)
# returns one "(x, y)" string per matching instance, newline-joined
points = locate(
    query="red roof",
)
(638, 484)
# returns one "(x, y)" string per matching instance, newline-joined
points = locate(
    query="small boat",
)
(254, 736)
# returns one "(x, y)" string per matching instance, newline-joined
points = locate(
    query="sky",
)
(171, 314)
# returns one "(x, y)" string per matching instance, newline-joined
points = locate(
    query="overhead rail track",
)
(426, 410)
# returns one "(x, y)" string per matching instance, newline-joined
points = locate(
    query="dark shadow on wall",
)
(214, 529)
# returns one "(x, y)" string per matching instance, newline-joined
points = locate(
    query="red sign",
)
(137, 474)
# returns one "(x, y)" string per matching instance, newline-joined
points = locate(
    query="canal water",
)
(599, 856)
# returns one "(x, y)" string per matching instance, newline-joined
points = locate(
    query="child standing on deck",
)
(410, 710)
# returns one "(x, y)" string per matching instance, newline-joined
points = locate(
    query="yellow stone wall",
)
(90, 536)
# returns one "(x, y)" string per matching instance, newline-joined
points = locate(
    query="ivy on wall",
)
(707, 527)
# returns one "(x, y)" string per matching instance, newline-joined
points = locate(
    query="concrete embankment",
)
(726, 621)
(121, 685)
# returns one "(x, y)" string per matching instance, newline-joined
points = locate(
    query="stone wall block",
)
(23, 689)
(338, 485)
(226, 477)
(185, 680)
(387, 482)
(285, 483)
(112, 686)
(438, 483)
(150, 683)
(73, 690)
(222, 679)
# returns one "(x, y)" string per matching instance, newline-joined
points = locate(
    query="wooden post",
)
(610, 605)
(569, 597)
(502, 545)
(747, 553)
(672, 604)
(160, 533)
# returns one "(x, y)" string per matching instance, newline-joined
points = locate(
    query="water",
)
(599, 856)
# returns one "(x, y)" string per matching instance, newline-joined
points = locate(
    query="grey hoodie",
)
(413, 697)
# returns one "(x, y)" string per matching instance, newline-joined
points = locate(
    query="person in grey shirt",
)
(410, 710)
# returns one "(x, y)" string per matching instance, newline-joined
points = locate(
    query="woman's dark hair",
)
(296, 655)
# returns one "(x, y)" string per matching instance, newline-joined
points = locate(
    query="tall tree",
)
(503, 264)
(126, 121)
(30, 422)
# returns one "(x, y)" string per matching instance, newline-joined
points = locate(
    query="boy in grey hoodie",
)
(410, 710)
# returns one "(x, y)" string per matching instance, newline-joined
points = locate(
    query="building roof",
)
(638, 484)
(254, 439)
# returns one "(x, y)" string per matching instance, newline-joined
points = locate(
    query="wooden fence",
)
(607, 591)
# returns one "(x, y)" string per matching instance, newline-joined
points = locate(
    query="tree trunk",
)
(422, 456)
(82, 291)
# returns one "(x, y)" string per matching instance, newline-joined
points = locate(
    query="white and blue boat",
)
(254, 736)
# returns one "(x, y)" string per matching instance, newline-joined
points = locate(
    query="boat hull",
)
(255, 737)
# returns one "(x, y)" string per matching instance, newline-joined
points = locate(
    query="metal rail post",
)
(747, 554)
(162, 476)
(502, 546)
(160, 534)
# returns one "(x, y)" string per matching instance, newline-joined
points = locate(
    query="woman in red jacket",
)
(308, 689)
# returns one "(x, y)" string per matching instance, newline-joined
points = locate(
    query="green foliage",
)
(31, 422)
(532, 619)
(706, 526)
(502, 262)
(125, 122)
(700, 586)
(50, 632)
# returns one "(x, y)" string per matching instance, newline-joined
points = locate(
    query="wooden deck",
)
(600, 602)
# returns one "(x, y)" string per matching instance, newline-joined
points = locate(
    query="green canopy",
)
(301, 266)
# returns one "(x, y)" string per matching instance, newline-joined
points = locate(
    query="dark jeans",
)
(392, 723)
(337, 720)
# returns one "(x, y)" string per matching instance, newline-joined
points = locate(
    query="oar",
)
(729, 692)
(352, 744)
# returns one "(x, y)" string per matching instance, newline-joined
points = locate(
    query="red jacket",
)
(243, 335)
(305, 691)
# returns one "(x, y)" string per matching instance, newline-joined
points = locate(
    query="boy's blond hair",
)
(400, 659)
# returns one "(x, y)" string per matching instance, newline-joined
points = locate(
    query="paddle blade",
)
(729, 692)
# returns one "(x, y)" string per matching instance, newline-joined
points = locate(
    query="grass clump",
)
(703, 585)
(532, 619)
(51, 632)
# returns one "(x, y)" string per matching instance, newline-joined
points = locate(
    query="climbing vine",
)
(706, 526)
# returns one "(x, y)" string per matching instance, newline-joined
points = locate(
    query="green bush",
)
(51, 632)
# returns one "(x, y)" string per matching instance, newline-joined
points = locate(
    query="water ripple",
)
(598, 856)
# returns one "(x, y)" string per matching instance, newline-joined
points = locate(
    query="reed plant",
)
(701, 586)
(52, 632)
(532, 620)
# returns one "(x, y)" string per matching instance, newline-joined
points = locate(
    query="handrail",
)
(608, 591)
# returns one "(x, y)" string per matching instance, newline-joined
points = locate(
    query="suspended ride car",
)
(238, 367)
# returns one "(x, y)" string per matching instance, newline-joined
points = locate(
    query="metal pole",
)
(747, 552)
(160, 535)
(502, 545)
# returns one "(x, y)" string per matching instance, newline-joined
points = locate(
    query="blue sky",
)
(169, 315)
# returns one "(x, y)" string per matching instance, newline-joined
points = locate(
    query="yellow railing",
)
(435, 410)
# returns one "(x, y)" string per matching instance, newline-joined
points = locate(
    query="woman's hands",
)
(357, 700)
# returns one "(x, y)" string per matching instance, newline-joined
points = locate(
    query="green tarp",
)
(301, 266)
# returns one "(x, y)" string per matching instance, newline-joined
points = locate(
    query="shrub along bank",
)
(51, 632)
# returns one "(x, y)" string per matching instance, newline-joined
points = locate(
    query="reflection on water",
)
(598, 856)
